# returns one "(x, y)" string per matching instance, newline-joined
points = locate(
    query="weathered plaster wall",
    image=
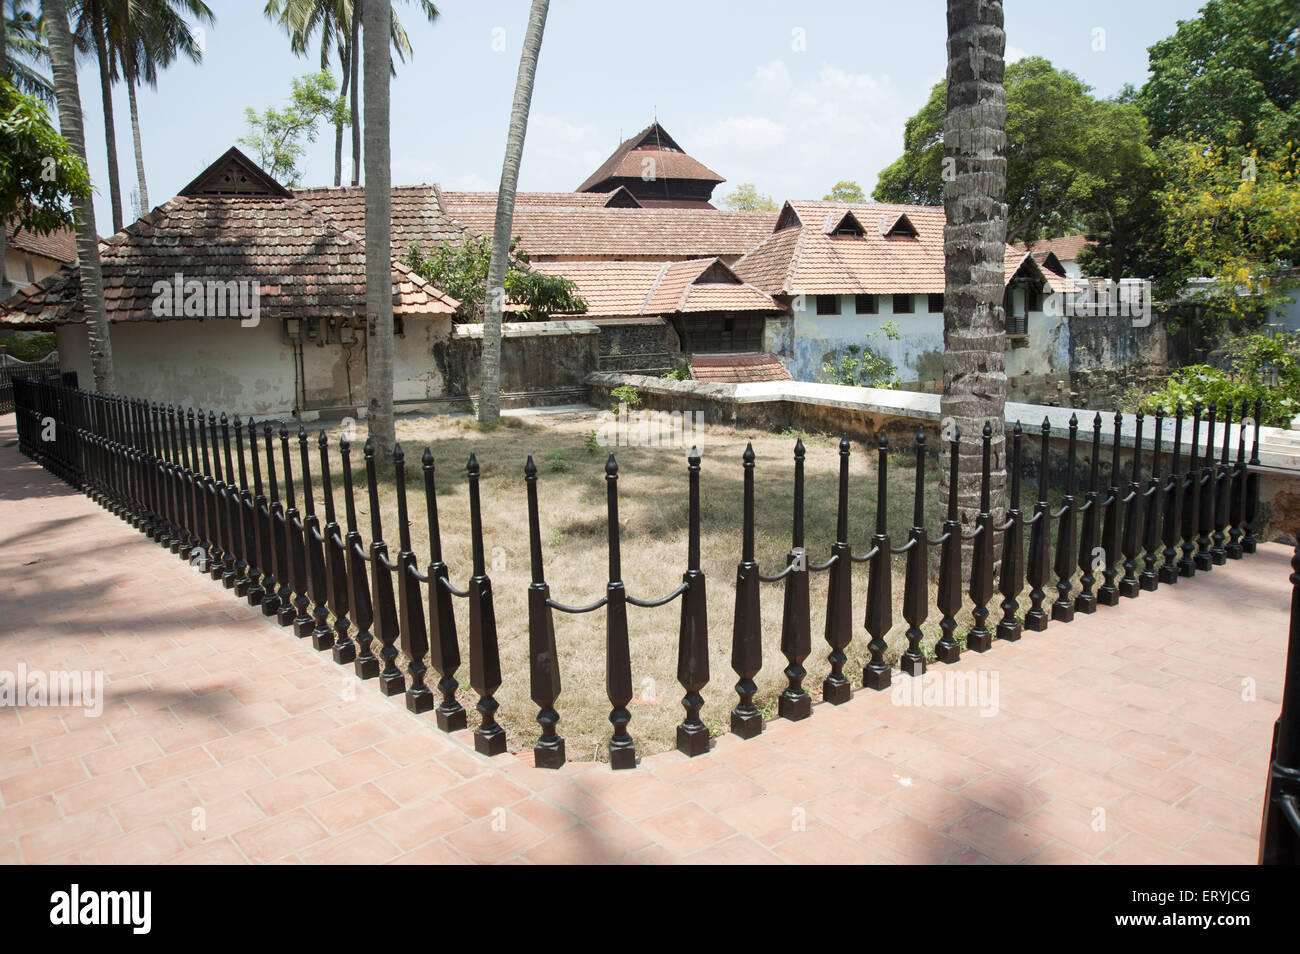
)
(540, 360)
(918, 351)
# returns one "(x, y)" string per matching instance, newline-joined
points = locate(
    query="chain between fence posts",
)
(1191, 499)
(382, 600)
(295, 614)
(1218, 552)
(693, 631)
(796, 624)
(1112, 540)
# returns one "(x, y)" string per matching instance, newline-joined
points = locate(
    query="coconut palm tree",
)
(974, 242)
(489, 402)
(90, 30)
(146, 36)
(337, 23)
(377, 16)
(64, 67)
(23, 49)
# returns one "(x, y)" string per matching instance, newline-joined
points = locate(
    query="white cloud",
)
(739, 132)
(1014, 53)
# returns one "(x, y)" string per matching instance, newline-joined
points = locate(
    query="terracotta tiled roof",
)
(592, 200)
(589, 233)
(61, 245)
(654, 145)
(1067, 247)
(418, 217)
(305, 265)
(806, 259)
(738, 368)
(659, 288)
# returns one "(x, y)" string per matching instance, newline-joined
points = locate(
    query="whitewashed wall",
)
(249, 370)
(918, 351)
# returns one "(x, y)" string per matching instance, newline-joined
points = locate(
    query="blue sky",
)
(792, 97)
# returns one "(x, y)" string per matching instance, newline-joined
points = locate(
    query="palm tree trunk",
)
(379, 252)
(110, 133)
(346, 59)
(64, 67)
(974, 240)
(356, 126)
(139, 150)
(489, 401)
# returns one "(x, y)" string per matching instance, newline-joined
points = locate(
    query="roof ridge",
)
(654, 286)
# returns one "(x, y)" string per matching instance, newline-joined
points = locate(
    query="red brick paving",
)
(1125, 737)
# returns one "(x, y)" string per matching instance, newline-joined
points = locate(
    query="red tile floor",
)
(1132, 736)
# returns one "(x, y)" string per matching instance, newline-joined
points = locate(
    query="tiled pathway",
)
(1136, 735)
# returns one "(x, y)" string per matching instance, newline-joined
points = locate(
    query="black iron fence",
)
(172, 473)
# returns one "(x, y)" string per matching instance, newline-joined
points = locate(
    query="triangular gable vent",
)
(621, 198)
(788, 219)
(717, 274)
(1053, 264)
(893, 225)
(234, 174)
(656, 137)
(846, 224)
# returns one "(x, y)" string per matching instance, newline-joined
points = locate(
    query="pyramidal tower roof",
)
(656, 170)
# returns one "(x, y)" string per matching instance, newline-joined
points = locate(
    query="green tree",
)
(1230, 76)
(461, 270)
(23, 50)
(845, 191)
(1069, 155)
(746, 196)
(279, 136)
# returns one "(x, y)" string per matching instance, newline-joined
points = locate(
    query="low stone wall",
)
(542, 362)
(863, 412)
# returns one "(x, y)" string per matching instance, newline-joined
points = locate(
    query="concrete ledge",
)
(528, 329)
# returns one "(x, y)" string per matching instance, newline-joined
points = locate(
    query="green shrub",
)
(1251, 361)
(863, 365)
(624, 394)
(679, 373)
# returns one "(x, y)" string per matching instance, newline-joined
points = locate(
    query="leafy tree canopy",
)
(747, 196)
(461, 270)
(39, 173)
(845, 191)
(1231, 76)
(1069, 154)
(279, 136)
